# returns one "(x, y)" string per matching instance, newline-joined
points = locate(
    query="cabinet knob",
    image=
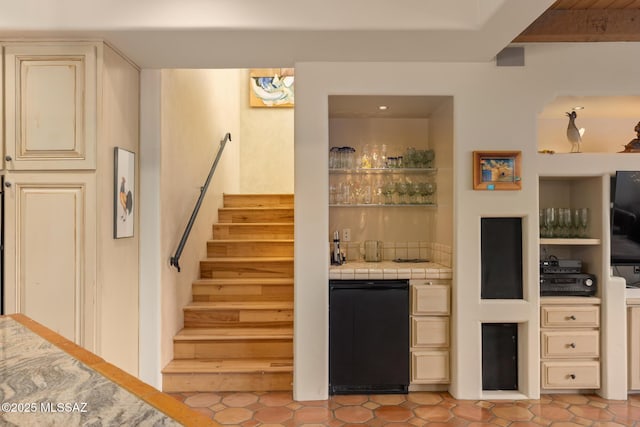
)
(7, 184)
(572, 376)
(8, 158)
(572, 345)
(572, 317)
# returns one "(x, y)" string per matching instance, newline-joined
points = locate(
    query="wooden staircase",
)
(238, 331)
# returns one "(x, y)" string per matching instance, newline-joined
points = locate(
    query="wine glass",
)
(551, 219)
(412, 190)
(401, 189)
(584, 221)
(388, 188)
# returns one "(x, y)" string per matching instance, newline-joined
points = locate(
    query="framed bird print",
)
(497, 170)
(124, 193)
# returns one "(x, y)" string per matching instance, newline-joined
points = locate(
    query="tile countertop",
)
(389, 270)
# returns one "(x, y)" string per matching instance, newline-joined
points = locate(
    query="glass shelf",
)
(403, 205)
(569, 241)
(383, 170)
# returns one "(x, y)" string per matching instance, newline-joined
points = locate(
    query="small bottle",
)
(365, 160)
(383, 156)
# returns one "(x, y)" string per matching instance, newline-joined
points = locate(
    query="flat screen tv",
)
(625, 218)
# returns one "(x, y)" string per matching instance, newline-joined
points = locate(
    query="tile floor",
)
(415, 409)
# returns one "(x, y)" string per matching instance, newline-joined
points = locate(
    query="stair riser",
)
(258, 200)
(250, 232)
(233, 349)
(224, 293)
(181, 383)
(226, 270)
(249, 249)
(250, 216)
(237, 318)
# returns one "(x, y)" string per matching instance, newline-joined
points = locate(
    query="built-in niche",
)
(501, 258)
(500, 356)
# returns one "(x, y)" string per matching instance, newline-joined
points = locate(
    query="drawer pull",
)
(572, 376)
(572, 317)
(572, 345)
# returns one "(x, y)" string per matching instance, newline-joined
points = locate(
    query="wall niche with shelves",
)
(571, 241)
(385, 199)
(608, 123)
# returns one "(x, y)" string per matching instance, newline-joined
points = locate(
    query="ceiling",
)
(255, 33)
(586, 21)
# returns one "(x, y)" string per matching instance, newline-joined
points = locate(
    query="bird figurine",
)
(574, 135)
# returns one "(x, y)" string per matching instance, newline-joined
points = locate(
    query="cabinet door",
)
(430, 299)
(430, 367)
(50, 247)
(429, 331)
(50, 106)
(634, 348)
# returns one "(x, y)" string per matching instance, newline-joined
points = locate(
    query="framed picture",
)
(124, 193)
(497, 170)
(271, 87)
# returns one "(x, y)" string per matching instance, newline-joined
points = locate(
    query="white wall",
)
(495, 108)
(197, 108)
(266, 153)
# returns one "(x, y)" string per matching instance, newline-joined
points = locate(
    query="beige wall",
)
(266, 149)
(117, 258)
(197, 108)
(495, 108)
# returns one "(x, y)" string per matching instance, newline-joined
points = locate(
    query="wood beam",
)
(594, 25)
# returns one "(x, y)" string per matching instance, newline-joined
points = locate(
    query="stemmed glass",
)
(550, 221)
(426, 190)
(584, 221)
(388, 188)
(401, 189)
(412, 190)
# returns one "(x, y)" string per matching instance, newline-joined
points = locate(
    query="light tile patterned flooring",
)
(415, 409)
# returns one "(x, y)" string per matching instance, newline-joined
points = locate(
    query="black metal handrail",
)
(175, 259)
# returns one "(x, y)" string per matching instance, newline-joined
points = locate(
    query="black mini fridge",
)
(368, 336)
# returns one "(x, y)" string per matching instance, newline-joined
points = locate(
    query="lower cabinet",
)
(570, 343)
(633, 330)
(430, 302)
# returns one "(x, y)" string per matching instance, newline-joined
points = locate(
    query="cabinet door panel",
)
(50, 106)
(430, 299)
(429, 331)
(570, 343)
(50, 232)
(430, 367)
(570, 374)
(634, 347)
(570, 316)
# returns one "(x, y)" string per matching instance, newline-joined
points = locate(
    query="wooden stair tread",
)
(254, 240)
(203, 366)
(256, 208)
(239, 305)
(244, 281)
(253, 224)
(210, 334)
(250, 259)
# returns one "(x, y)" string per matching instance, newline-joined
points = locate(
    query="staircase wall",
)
(197, 108)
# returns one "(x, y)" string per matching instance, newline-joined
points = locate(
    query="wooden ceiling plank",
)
(584, 26)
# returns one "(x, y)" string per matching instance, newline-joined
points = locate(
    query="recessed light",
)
(382, 107)
(577, 107)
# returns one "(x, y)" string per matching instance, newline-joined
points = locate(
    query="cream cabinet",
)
(430, 309)
(633, 329)
(50, 242)
(66, 105)
(570, 342)
(50, 104)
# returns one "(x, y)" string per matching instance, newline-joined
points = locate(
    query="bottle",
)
(336, 255)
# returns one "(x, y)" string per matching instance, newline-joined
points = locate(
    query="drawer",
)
(570, 344)
(570, 316)
(429, 332)
(570, 375)
(430, 299)
(430, 367)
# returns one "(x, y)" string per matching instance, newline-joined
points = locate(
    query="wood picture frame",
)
(497, 170)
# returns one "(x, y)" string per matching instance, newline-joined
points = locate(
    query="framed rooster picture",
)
(124, 193)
